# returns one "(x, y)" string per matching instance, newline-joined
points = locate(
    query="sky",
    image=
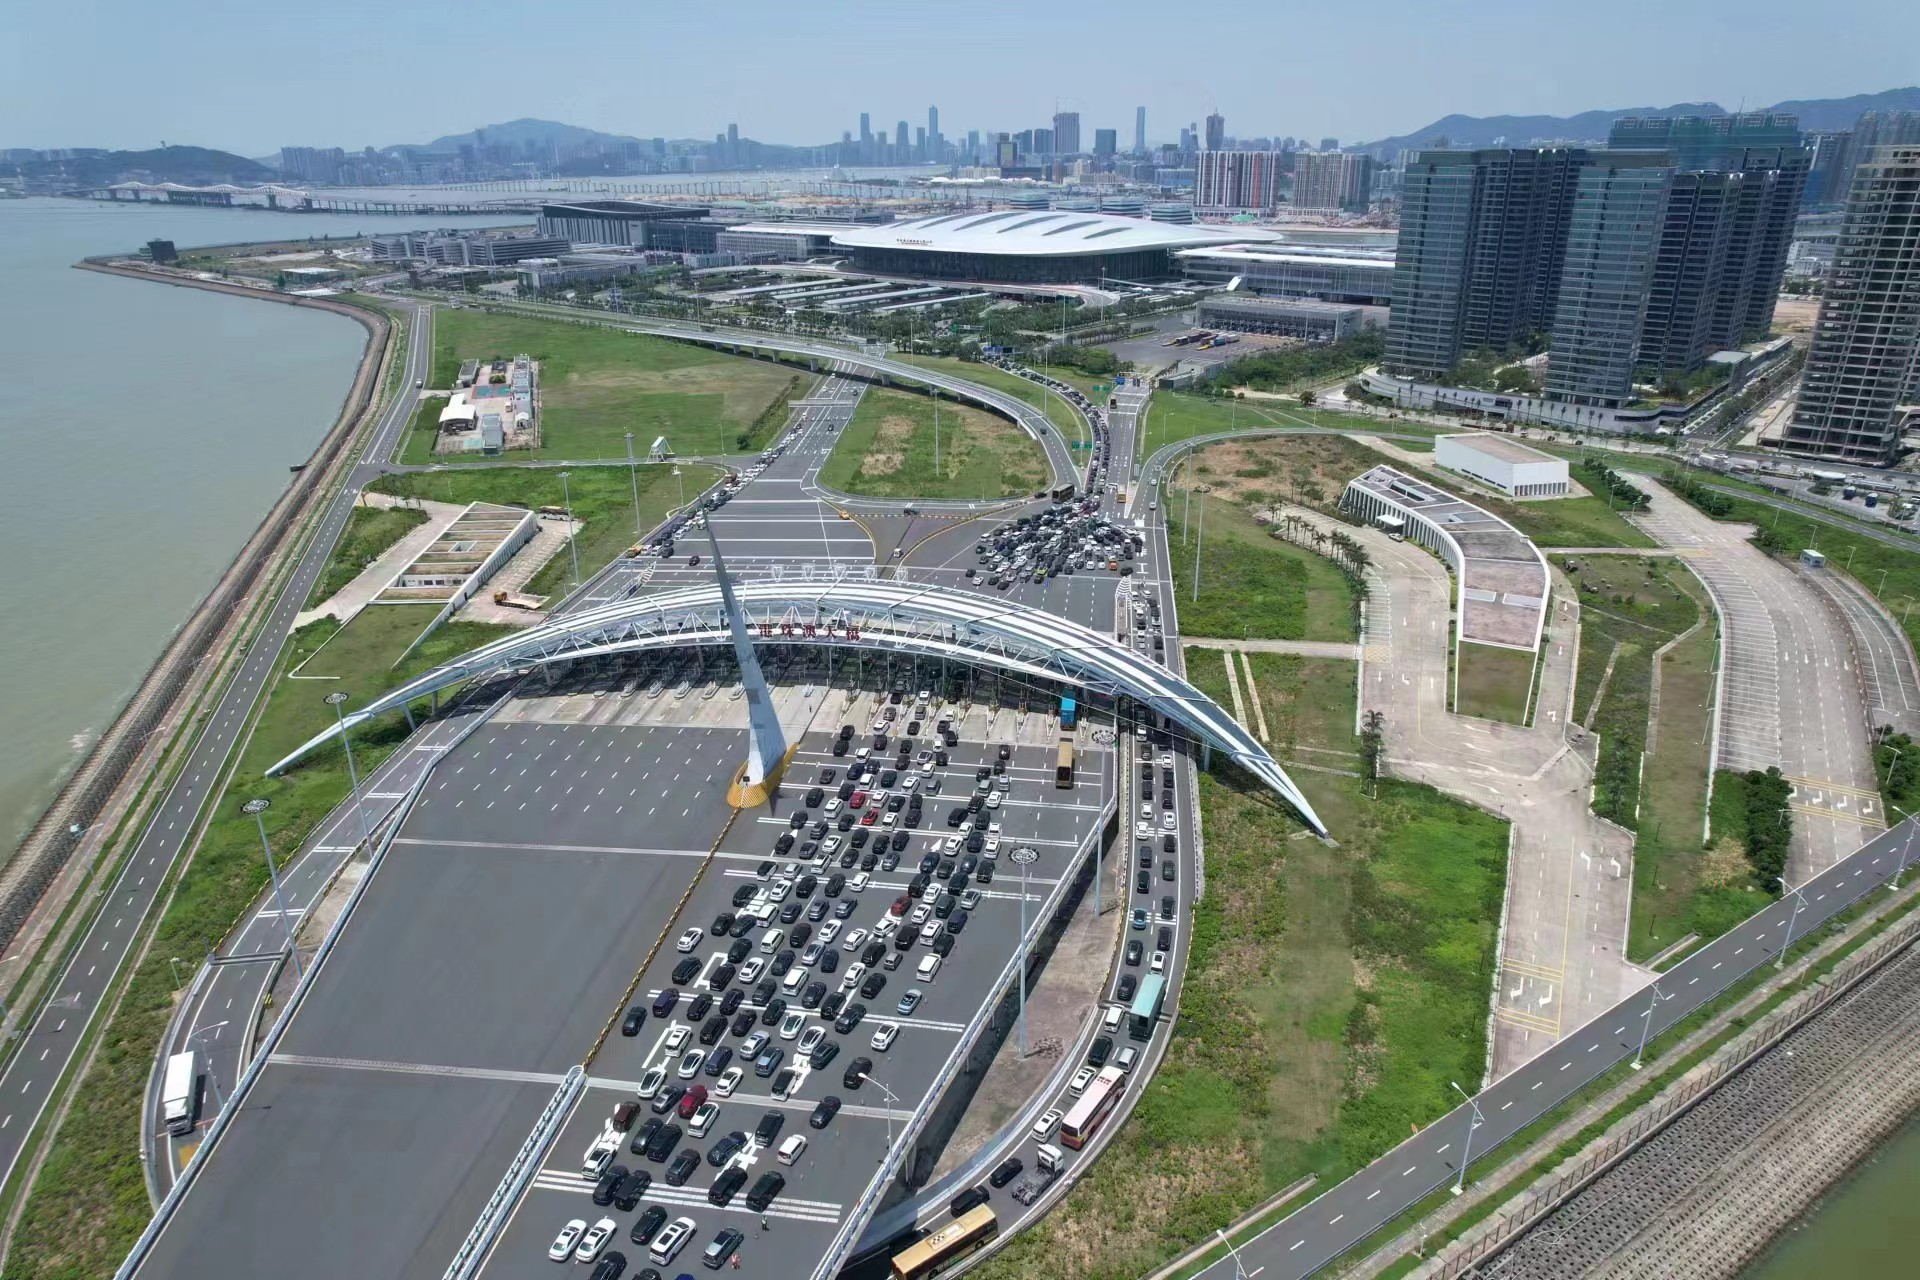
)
(250, 77)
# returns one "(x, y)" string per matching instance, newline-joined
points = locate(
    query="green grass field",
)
(416, 448)
(1253, 585)
(1679, 886)
(369, 532)
(1492, 682)
(1176, 415)
(1057, 410)
(598, 383)
(887, 451)
(1330, 996)
(602, 501)
(89, 1202)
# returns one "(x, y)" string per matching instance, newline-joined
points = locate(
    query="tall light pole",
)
(683, 483)
(1906, 849)
(258, 806)
(337, 700)
(1199, 543)
(1024, 858)
(936, 433)
(891, 1099)
(1239, 1271)
(1780, 961)
(1460, 1181)
(633, 473)
(1186, 508)
(573, 549)
(1646, 1024)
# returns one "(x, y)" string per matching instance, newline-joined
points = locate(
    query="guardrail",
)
(854, 1225)
(526, 1162)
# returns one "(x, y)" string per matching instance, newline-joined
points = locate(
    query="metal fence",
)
(526, 1162)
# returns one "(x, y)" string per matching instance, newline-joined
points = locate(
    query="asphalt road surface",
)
(51, 1038)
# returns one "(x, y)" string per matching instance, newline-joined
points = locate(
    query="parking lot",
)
(827, 1180)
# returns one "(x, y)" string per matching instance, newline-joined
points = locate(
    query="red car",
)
(857, 800)
(900, 905)
(866, 819)
(691, 1100)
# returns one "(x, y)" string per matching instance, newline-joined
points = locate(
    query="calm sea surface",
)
(145, 430)
(1864, 1229)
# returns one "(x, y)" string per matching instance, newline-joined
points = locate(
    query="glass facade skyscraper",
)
(1618, 202)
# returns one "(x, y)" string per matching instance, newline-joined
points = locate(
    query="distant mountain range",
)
(1592, 126)
(190, 166)
(515, 133)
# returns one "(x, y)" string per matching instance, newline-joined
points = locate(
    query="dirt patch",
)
(1310, 470)
(1724, 863)
(889, 450)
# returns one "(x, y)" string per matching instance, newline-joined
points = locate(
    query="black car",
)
(890, 861)
(830, 961)
(721, 923)
(648, 1225)
(831, 1004)
(609, 1182)
(868, 861)
(1126, 988)
(717, 1060)
(835, 883)
(870, 955)
(725, 1149)
(1166, 907)
(762, 992)
(743, 895)
(873, 985)
(967, 1201)
(698, 1006)
(824, 1112)
(956, 815)
(789, 912)
(856, 1073)
(626, 1197)
(742, 1022)
(1166, 938)
(814, 796)
(1166, 869)
(726, 1187)
(1006, 1172)
(737, 950)
(840, 747)
(957, 921)
(712, 1029)
(849, 1018)
(742, 926)
(943, 906)
(810, 997)
(664, 1002)
(664, 1140)
(612, 1265)
(643, 1136)
(721, 976)
(731, 1001)
(635, 1019)
(769, 1127)
(782, 962)
(765, 1188)
(1142, 881)
(1167, 843)
(776, 1009)
(984, 873)
(917, 886)
(827, 1051)
(1134, 950)
(683, 1167)
(942, 943)
(1102, 1050)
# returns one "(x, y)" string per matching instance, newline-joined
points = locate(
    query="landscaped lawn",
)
(416, 447)
(1176, 415)
(1493, 682)
(602, 501)
(597, 383)
(369, 532)
(1330, 995)
(886, 451)
(1252, 585)
(1058, 411)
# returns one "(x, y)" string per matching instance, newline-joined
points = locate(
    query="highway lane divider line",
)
(673, 918)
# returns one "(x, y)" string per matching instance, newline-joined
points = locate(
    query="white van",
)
(671, 1240)
(792, 1149)
(1111, 1022)
(792, 982)
(929, 965)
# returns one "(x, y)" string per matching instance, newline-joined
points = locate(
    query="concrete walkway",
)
(1305, 648)
(350, 599)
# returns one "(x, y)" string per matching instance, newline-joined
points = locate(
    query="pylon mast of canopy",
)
(766, 744)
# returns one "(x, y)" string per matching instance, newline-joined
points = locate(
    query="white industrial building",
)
(1503, 463)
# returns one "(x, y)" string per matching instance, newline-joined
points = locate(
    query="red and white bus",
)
(1095, 1105)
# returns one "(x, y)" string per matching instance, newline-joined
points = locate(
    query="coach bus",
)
(1146, 1006)
(1086, 1116)
(1063, 767)
(943, 1247)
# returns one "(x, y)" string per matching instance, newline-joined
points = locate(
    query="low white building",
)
(1503, 463)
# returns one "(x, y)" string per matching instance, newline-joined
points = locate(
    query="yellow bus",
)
(1063, 767)
(944, 1246)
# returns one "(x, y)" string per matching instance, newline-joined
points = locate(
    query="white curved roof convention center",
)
(1046, 232)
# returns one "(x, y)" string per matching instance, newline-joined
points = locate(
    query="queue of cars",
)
(787, 972)
(1066, 537)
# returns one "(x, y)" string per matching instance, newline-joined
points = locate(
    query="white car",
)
(703, 1119)
(888, 923)
(993, 801)
(595, 1240)
(952, 846)
(1158, 964)
(929, 931)
(1048, 1124)
(920, 914)
(676, 1036)
(1081, 1079)
(750, 970)
(828, 932)
(831, 807)
(854, 940)
(691, 1060)
(811, 1040)
(884, 1036)
(691, 939)
(729, 1081)
(859, 882)
(791, 1024)
(651, 1081)
(993, 828)
(1146, 811)
(780, 888)
(1168, 820)
(811, 956)
(851, 978)
(1143, 830)
(771, 942)
(562, 1247)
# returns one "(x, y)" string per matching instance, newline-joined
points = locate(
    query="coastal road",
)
(53, 1036)
(1306, 1240)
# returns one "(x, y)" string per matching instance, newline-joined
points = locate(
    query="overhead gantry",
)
(878, 616)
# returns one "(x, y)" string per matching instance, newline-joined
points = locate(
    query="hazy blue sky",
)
(250, 77)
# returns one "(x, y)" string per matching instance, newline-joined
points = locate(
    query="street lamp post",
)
(337, 700)
(683, 484)
(573, 549)
(1239, 1271)
(633, 473)
(891, 1099)
(174, 963)
(1460, 1181)
(1199, 542)
(1906, 849)
(258, 806)
(1780, 962)
(1646, 1025)
(936, 432)
(1024, 858)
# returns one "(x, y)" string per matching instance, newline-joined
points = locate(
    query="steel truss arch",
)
(882, 616)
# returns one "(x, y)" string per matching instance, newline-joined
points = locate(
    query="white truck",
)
(1046, 1169)
(179, 1092)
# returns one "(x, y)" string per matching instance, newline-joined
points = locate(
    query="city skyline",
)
(222, 97)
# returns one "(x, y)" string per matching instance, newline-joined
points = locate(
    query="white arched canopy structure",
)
(929, 622)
